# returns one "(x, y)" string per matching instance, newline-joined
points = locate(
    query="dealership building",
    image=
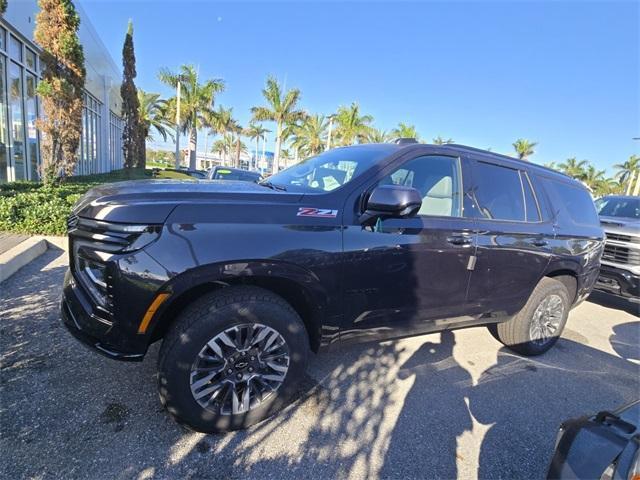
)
(101, 146)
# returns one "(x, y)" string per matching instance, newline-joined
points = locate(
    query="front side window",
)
(331, 169)
(437, 180)
(497, 194)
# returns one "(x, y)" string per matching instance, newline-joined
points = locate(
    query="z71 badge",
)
(317, 212)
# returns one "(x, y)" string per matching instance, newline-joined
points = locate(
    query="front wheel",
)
(233, 358)
(537, 327)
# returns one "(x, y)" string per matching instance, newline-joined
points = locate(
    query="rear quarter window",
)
(571, 202)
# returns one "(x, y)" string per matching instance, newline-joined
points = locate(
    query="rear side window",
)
(572, 202)
(497, 194)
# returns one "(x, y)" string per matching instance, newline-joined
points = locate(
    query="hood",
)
(629, 226)
(151, 201)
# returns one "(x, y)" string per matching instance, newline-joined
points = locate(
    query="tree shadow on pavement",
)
(395, 409)
(424, 440)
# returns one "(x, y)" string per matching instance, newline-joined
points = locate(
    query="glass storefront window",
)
(32, 133)
(30, 59)
(17, 123)
(4, 143)
(15, 48)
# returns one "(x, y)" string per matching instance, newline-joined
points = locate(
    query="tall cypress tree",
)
(132, 143)
(61, 88)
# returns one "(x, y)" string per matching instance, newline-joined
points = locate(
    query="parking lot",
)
(442, 405)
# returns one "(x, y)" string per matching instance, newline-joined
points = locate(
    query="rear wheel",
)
(537, 327)
(231, 359)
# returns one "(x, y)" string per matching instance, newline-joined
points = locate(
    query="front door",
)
(409, 276)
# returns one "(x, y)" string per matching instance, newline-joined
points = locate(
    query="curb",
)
(25, 252)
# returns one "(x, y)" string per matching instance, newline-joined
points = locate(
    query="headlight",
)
(94, 277)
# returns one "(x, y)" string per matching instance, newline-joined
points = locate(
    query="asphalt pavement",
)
(437, 406)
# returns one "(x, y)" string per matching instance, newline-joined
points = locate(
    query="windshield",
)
(329, 170)
(619, 207)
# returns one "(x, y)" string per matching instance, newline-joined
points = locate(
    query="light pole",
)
(178, 123)
(329, 134)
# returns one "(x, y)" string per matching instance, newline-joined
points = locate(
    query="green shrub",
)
(33, 208)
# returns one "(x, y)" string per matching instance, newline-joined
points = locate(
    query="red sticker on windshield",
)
(317, 212)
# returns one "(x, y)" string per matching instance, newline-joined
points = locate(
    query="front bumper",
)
(619, 282)
(93, 330)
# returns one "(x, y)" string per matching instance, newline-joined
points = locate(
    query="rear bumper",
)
(97, 333)
(618, 281)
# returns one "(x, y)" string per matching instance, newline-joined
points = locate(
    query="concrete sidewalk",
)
(17, 250)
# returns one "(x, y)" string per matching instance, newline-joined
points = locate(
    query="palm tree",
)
(524, 148)
(573, 167)
(595, 179)
(405, 131)
(441, 141)
(626, 169)
(196, 102)
(256, 132)
(310, 135)
(153, 114)
(351, 126)
(282, 108)
(220, 147)
(375, 135)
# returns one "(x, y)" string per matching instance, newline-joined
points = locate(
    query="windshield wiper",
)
(273, 186)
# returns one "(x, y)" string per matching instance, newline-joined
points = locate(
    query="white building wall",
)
(102, 82)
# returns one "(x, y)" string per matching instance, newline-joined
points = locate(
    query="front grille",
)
(620, 254)
(618, 237)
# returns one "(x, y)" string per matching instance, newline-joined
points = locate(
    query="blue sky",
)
(564, 73)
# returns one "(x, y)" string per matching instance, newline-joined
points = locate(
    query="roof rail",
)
(404, 140)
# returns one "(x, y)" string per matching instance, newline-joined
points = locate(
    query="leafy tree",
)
(441, 141)
(625, 170)
(375, 135)
(310, 135)
(61, 88)
(282, 108)
(3, 6)
(133, 136)
(405, 131)
(196, 102)
(573, 167)
(524, 148)
(351, 126)
(153, 114)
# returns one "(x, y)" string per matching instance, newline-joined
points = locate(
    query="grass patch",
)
(36, 209)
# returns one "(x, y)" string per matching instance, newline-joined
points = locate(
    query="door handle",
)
(539, 242)
(459, 240)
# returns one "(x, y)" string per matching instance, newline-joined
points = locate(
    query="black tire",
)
(516, 333)
(203, 320)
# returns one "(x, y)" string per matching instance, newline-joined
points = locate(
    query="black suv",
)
(240, 280)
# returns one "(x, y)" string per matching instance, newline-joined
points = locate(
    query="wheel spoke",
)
(239, 368)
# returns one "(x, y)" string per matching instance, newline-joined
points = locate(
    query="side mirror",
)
(392, 201)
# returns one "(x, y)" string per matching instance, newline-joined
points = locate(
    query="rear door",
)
(513, 239)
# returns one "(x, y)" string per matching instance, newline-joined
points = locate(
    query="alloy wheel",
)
(546, 319)
(239, 369)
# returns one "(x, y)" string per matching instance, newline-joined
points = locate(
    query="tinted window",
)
(227, 175)
(532, 212)
(437, 180)
(572, 201)
(497, 194)
(619, 207)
